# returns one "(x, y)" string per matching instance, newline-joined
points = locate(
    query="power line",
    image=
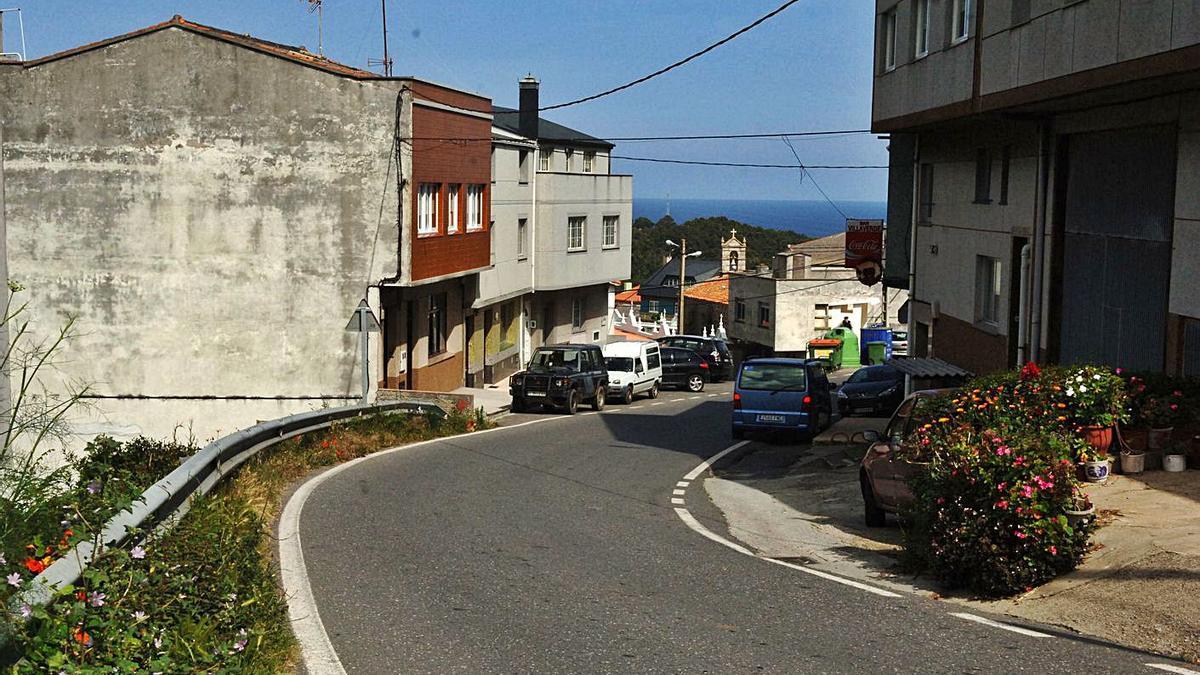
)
(814, 180)
(703, 137)
(675, 65)
(794, 167)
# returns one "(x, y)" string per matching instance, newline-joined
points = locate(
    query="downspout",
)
(912, 256)
(1023, 311)
(1038, 270)
(532, 241)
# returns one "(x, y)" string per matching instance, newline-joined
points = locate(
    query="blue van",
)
(781, 395)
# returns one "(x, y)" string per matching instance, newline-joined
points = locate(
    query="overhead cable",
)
(793, 167)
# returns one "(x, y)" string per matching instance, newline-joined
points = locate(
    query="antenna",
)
(386, 62)
(315, 6)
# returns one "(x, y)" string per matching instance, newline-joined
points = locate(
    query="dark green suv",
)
(562, 376)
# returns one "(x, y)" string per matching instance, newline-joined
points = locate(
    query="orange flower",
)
(81, 636)
(34, 565)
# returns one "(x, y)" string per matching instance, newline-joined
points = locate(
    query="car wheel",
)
(653, 393)
(738, 433)
(572, 402)
(874, 514)
(518, 406)
(628, 396)
(695, 383)
(598, 401)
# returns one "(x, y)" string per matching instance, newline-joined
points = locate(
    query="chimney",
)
(528, 119)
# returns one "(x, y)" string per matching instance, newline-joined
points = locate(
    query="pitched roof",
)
(829, 250)
(292, 53)
(509, 120)
(631, 295)
(714, 290)
(631, 335)
(699, 270)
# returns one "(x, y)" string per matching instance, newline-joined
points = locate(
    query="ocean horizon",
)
(812, 218)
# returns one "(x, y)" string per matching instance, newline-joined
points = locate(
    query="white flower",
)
(13, 579)
(137, 552)
(1096, 376)
(1070, 391)
(2, 560)
(139, 616)
(1082, 389)
(26, 611)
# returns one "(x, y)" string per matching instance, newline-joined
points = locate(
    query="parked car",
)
(777, 394)
(899, 343)
(872, 390)
(883, 473)
(684, 369)
(563, 376)
(714, 351)
(633, 368)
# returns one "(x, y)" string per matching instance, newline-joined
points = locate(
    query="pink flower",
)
(1002, 504)
(1002, 487)
(1020, 534)
(1018, 460)
(1027, 491)
(1053, 550)
(1003, 450)
(137, 553)
(941, 500)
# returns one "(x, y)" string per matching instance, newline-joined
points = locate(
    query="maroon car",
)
(883, 474)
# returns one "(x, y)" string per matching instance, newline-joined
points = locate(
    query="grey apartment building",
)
(1044, 183)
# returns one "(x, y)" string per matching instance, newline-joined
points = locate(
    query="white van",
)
(633, 368)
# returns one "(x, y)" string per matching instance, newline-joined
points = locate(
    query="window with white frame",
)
(920, 28)
(452, 210)
(577, 313)
(474, 208)
(987, 289)
(427, 208)
(961, 20)
(544, 156)
(888, 39)
(522, 238)
(610, 231)
(576, 226)
(570, 160)
(589, 161)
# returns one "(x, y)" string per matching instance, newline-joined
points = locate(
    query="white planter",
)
(1174, 463)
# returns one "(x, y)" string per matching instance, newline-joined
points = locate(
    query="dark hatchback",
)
(714, 351)
(873, 390)
(684, 369)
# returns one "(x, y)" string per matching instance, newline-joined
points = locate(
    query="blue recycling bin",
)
(876, 334)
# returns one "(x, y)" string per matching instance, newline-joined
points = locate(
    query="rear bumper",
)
(754, 420)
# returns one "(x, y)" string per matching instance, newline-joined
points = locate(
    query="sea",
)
(813, 218)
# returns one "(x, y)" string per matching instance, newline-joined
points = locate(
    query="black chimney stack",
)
(528, 120)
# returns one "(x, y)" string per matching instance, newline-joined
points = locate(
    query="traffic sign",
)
(363, 319)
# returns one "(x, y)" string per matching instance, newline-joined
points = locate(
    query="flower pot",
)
(1132, 462)
(1077, 518)
(1136, 439)
(1159, 438)
(1096, 470)
(1100, 438)
(1154, 460)
(1174, 463)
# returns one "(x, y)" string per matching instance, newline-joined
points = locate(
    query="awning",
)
(927, 368)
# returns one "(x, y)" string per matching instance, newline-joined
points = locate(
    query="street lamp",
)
(683, 256)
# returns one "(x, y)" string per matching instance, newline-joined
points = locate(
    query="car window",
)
(550, 359)
(874, 374)
(899, 421)
(668, 356)
(924, 411)
(619, 363)
(637, 368)
(652, 358)
(772, 377)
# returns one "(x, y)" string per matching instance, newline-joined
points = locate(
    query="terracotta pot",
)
(1100, 438)
(1096, 470)
(1159, 438)
(1132, 462)
(1136, 439)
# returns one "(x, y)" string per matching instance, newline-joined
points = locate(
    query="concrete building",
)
(211, 208)
(1045, 178)
(808, 292)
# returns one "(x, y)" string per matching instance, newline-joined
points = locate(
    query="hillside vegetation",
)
(703, 234)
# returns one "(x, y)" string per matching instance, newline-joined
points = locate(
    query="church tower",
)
(733, 254)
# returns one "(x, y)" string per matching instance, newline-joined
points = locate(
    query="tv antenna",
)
(315, 6)
(386, 61)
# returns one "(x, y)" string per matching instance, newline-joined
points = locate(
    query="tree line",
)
(703, 234)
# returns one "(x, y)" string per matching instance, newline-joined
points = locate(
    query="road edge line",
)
(1001, 625)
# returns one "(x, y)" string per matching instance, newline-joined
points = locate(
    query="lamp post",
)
(683, 256)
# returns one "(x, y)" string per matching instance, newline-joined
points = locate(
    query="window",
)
(987, 289)
(544, 159)
(575, 233)
(889, 40)
(739, 310)
(437, 324)
(523, 166)
(610, 231)
(921, 28)
(577, 313)
(570, 160)
(764, 315)
(522, 238)
(427, 208)
(474, 207)
(961, 20)
(671, 280)
(925, 204)
(733, 261)
(589, 161)
(653, 359)
(983, 176)
(1005, 158)
(453, 224)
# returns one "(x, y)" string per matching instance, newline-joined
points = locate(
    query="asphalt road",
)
(554, 547)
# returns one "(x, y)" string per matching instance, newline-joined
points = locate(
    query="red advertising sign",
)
(864, 242)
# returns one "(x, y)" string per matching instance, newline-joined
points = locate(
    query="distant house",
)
(660, 292)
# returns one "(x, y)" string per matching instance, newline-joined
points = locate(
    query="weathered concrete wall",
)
(211, 215)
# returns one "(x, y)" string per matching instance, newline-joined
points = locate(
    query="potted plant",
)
(1096, 397)
(1080, 510)
(1132, 461)
(1174, 458)
(1160, 414)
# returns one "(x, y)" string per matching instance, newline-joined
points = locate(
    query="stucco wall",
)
(512, 200)
(211, 215)
(561, 196)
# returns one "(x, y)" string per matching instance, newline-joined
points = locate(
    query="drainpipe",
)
(912, 257)
(1038, 269)
(1023, 311)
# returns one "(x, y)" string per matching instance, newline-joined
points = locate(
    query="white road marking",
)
(679, 492)
(682, 483)
(1003, 626)
(658, 403)
(692, 398)
(703, 466)
(677, 500)
(1173, 669)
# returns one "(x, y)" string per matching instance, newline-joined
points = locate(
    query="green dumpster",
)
(827, 350)
(850, 350)
(876, 352)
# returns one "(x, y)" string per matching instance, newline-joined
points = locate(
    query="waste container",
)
(850, 355)
(876, 333)
(828, 350)
(877, 352)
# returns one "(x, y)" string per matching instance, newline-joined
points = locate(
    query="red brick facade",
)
(443, 163)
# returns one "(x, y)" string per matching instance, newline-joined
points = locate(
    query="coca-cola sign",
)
(864, 242)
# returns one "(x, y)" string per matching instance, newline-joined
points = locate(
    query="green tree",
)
(703, 234)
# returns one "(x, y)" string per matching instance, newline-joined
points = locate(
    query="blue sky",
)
(807, 69)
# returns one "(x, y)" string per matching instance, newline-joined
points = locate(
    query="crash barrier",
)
(170, 498)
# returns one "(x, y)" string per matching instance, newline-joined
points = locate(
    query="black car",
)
(562, 376)
(873, 390)
(684, 369)
(714, 351)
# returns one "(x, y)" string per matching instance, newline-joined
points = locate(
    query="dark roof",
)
(508, 120)
(698, 269)
(927, 368)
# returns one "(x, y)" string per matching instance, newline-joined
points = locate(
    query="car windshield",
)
(899, 336)
(546, 360)
(772, 377)
(619, 363)
(877, 374)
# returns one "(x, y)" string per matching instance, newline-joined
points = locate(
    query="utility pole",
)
(682, 286)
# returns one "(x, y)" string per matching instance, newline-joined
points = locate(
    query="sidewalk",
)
(1139, 587)
(493, 398)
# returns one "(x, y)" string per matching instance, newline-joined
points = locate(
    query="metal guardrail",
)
(170, 498)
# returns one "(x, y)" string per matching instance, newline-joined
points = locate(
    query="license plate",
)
(778, 419)
(535, 393)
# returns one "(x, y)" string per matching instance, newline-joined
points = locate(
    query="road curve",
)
(555, 547)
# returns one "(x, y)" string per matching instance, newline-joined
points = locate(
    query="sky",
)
(807, 69)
